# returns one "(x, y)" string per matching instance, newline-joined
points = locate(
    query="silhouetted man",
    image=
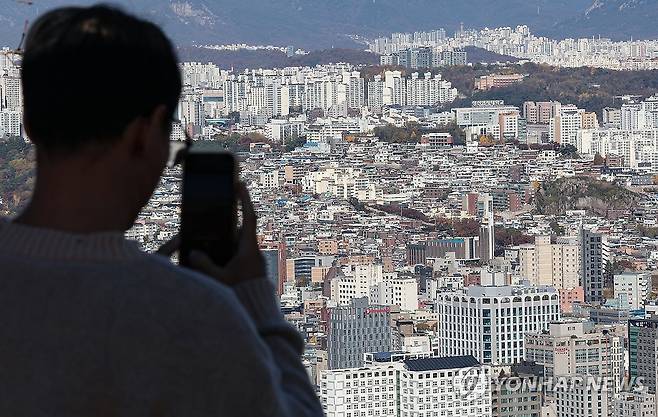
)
(90, 325)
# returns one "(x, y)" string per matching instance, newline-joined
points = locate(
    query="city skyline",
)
(449, 238)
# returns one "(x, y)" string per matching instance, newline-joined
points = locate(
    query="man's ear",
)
(146, 131)
(134, 137)
(158, 121)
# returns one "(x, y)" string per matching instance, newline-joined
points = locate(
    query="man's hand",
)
(169, 247)
(248, 262)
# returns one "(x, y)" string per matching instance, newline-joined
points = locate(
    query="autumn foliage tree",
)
(16, 174)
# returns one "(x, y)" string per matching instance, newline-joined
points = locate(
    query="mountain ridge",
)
(623, 19)
(317, 24)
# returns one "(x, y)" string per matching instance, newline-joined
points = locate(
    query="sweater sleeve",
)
(209, 351)
(285, 345)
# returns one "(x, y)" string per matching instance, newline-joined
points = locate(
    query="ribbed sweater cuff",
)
(258, 298)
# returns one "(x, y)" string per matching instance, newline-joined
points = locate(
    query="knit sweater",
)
(92, 326)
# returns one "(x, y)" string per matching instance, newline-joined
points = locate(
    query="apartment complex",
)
(566, 123)
(539, 112)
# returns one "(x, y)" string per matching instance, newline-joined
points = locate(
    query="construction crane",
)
(14, 55)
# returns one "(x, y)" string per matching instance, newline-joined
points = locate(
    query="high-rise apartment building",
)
(356, 329)
(546, 263)
(428, 90)
(11, 123)
(490, 322)
(632, 289)
(594, 255)
(375, 94)
(190, 113)
(565, 125)
(539, 112)
(11, 93)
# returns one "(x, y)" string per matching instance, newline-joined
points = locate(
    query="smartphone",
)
(209, 206)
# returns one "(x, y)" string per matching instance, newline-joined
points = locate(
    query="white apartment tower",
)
(565, 125)
(631, 289)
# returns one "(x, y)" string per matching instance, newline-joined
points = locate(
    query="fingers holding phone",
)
(248, 262)
(210, 241)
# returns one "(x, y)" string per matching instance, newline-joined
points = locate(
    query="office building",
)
(577, 399)
(409, 386)
(643, 351)
(566, 349)
(484, 118)
(356, 329)
(490, 322)
(298, 269)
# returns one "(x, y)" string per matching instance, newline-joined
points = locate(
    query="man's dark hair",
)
(89, 71)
